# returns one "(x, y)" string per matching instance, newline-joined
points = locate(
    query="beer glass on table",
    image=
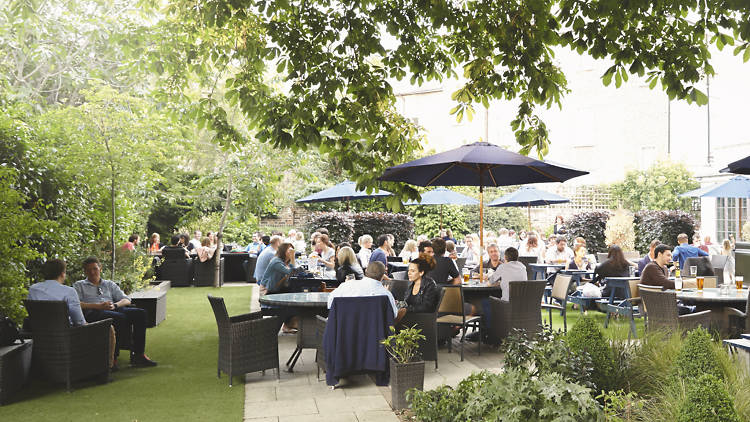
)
(738, 281)
(699, 283)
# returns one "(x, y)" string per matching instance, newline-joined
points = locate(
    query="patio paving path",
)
(299, 396)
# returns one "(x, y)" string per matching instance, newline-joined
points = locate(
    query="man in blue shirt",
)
(102, 299)
(265, 257)
(52, 288)
(685, 250)
(380, 254)
(256, 246)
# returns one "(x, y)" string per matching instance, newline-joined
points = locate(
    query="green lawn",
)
(618, 327)
(183, 387)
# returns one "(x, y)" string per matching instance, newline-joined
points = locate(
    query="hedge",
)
(348, 227)
(590, 226)
(707, 400)
(586, 337)
(662, 225)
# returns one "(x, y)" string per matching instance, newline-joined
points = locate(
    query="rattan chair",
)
(400, 275)
(205, 272)
(398, 288)
(249, 266)
(452, 314)
(247, 342)
(63, 353)
(523, 311)
(427, 322)
(662, 312)
(526, 260)
(559, 293)
(742, 315)
(703, 264)
(176, 268)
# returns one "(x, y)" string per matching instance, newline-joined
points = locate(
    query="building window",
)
(730, 214)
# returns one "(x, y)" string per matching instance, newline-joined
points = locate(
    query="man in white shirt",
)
(195, 242)
(370, 285)
(511, 270)
(561, 254)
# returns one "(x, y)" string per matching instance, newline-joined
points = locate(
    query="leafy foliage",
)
(619, 230)
(590, 226)
(496, 218)
(586, 337)
(620, 406)
(707, 400)
(662, 225)
(427, 219)
(401, 226)
(404, 345)
(20, 229)
(340, 225)
(656, 188)
(547, 352)
(514, 395)
(697, 356)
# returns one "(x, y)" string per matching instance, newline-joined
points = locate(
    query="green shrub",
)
(662, 225)
(512, 396)
(547, 352)
(586, 337)
(697, 356)
(590, 226)
(401, 226)
(707, 401)
(427, 219)
(340, 225)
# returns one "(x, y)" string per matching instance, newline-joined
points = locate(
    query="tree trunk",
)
(112, 194)
(220, 234)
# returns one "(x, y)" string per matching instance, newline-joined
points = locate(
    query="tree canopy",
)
(656, 188)
(333, 62)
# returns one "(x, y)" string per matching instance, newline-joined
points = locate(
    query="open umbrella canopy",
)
(443, 196)
(527, 196)
(344, 191)
(736, 187)
(738, 167)
(478, 164)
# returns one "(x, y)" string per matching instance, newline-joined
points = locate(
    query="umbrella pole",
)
(529, 208)
(441, 217)
(481, 227)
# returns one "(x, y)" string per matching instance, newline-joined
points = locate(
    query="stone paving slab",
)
(300, 397)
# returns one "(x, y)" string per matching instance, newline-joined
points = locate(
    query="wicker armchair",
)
(176, 268)
(661, 308)
(523, 311)
(741, 315)
(427, 322)
(398, 288)
(63, 353)
(247, 342)
(205, 272)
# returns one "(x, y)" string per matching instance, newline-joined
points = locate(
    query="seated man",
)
(494, 261)
(559, 254)
(52, 288)
(511, 270)
(101, 299)
(370, 285)
(684, 251)
(445, 271)
(656, 273)
(381, 253)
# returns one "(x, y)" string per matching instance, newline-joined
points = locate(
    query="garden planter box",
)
(405, 376)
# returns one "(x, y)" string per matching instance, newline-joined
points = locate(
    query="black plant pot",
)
(405, 376)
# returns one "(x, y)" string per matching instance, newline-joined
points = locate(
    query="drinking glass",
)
(738, 281)
(465, 272)
(678, 284)
(405, 260)
(693, 270)
(699, 283)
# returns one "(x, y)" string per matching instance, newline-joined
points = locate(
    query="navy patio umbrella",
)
(736, 187)
(443, 196)
(344, 191)
(738, 167)
(527, 196)
(478, 164)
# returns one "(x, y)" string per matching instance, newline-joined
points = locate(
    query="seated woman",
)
(615, 266)
(205, 251)
(423, 293)
(276, 280)
(410, 250)
(347, 264)
(365, 250)
(580, 260)
(325, 252)
(154, 243)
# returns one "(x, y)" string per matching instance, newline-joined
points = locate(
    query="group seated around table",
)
(94, 299)
(371, 284)
(656, 273)
(560, 253)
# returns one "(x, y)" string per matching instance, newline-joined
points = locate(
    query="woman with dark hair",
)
(279, 269)
(559, 225)
(580, 260)
(325, 251)
(615, 266)
(423, 293)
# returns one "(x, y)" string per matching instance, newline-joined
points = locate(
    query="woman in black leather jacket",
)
(423, 293)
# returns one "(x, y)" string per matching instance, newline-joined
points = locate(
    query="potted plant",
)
(407, 367)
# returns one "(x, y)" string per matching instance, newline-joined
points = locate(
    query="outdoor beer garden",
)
(306, 211)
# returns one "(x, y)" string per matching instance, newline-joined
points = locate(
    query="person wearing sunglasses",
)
(102, 299)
